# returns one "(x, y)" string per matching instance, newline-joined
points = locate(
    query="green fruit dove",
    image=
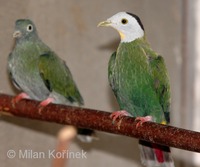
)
(139, 80)
(38, 72)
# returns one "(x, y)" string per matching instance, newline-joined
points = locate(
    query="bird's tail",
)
(154, 155)
(86, 135)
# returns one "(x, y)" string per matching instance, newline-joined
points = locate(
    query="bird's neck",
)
(24, 39)
(126, 36)
(130, 47)
(141, 40)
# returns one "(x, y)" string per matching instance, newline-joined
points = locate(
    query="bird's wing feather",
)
(161, 81)
(57, 77)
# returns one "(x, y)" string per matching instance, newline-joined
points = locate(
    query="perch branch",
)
(100, 120)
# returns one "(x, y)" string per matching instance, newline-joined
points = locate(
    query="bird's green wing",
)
(57, 77)
(161, 81)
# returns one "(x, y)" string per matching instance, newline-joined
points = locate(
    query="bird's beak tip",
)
(104, 23)
(17, 34)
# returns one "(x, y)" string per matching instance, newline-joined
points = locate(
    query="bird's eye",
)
(124, 21)
(29, 28)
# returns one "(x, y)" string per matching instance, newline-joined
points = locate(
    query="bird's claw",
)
(19, 97)
(141, 120)
(118, 114)
(44, 103)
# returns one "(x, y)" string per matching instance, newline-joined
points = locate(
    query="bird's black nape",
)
(137, 18)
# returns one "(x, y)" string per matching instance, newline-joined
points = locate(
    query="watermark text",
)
(51, 154)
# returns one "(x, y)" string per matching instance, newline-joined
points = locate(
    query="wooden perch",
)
(100, 120)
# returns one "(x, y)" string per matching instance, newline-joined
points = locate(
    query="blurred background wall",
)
(69, 27)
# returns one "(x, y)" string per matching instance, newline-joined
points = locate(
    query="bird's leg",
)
(118, 114)
(142, 120)
(45, 102)
(19, 97)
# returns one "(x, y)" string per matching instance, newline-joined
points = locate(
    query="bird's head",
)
(127, 24)
(24, 29)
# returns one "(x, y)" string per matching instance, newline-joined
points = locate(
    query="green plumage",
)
(37, 70)
(139, 79)
(57, 77)
(140, 82)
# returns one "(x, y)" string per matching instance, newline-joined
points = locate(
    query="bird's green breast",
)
(23, 62)
(132, 81)
(26, 57)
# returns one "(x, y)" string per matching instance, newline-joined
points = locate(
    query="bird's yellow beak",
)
(17, 34)
(104, 23)
(108, 23)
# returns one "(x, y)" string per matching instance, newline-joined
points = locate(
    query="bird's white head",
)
(127, 24)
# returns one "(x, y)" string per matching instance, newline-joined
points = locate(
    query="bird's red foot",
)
(19, 97)
(142, 120)
(118, 114)
(45, 102)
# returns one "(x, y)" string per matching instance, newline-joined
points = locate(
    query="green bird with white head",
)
(139, 80)
(39, 73)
